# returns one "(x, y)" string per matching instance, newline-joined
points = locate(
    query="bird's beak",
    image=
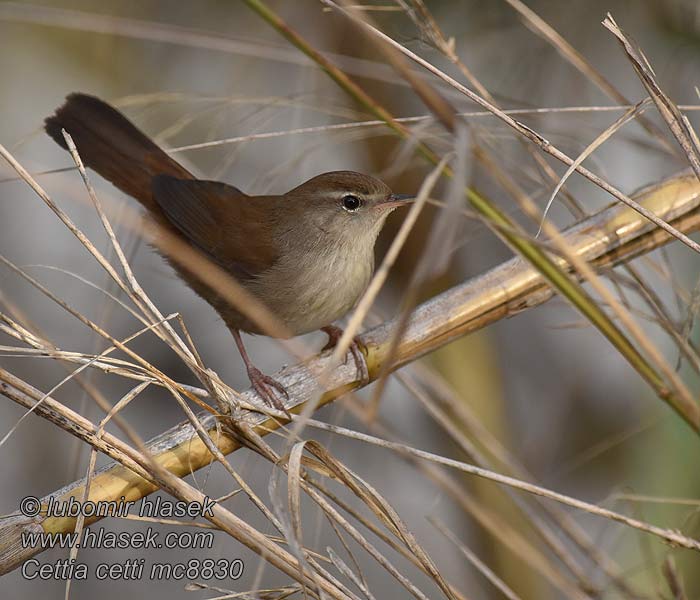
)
(396, 200)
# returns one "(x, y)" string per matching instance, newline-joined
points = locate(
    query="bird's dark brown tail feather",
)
(111, 145)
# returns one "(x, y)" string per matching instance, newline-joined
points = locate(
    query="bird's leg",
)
(357, 349)
(261, 383)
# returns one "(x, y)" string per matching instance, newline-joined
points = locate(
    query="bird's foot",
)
(357, 349)
(264, 385)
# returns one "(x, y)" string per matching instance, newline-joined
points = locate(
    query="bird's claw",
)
(262, 384)
(357, 348)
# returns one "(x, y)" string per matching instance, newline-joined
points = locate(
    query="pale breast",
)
(311, 291)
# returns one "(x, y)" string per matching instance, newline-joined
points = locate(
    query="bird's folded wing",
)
(232, 228)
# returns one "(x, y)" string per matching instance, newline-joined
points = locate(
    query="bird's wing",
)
(232, 228)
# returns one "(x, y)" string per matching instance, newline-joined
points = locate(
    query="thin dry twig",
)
(476, 562)
(679, 126)
(382, 272)
(540, 27)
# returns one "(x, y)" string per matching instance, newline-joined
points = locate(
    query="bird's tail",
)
(111, 145)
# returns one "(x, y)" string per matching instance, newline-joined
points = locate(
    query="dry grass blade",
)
(590, 149)
(146, 366)
(671, 536)
(376, 123)
(573, 56)
(331, 467)
(294, 476)
(675, 585)
(496, 581)
(462, 426)
(443, 110)
(680, 397)
(382, 272)
(679, 126)
(137, 292)
(340, 564)
(73, 374)
(382, 509)
(80, 522)
(89, 21)
(521, 546)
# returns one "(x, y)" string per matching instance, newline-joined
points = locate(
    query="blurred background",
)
(547, 386)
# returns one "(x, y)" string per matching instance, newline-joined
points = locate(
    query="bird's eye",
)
(351, 203)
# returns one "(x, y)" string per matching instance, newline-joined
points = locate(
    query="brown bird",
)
(307, 255)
